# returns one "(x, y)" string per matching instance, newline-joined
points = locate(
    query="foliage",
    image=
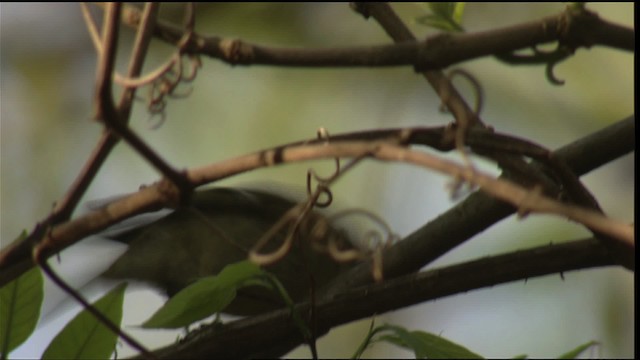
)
(212, 294)
(20, 303)
(424, 345)
(85, 337)
(207, 296)
(445, 16)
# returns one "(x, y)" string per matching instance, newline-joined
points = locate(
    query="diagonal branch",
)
(468, 218)
(108, 140)
(479, 211)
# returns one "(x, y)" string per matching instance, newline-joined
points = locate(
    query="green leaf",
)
(20, 303)
(458, 10)
(442, 9)
(577, 6)
(85, 337)
(205, 297)
(367, 340)
(193, 303)
(238, 273)
(577, 351)
(445, 16)
(427, 345)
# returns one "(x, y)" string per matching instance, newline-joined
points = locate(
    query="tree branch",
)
(15, 259)
(584, 29)
(274, 334)
(479, 211)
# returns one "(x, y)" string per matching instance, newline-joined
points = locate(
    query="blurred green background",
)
(47, 68)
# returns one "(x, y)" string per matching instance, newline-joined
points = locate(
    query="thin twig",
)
(112, 118)
(42, 262)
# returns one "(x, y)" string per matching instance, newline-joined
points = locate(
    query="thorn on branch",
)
(524, 208)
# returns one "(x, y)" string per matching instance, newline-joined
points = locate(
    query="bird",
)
(218, 227)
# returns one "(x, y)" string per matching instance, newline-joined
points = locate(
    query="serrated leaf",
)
(578, 350)
(205, 297)
(85, 337)
(20, 304)
(427, 345)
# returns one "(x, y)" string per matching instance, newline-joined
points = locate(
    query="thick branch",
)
(584, 29)
(479, 211)
(274, 334)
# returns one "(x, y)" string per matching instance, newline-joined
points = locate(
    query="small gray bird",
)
(218, 228)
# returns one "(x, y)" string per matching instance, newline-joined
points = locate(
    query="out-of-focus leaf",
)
(443, 9)
(205, 297)
(85, 337)
(578, 350)
(367, 340)
(458, 10)
(445, 16)
(20, 303)
(427, 345)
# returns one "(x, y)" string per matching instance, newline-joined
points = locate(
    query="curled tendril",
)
(294, 217)
(373, 243)
(195, 64)
(553, 58)
(320, 229)
(166, 84)
(156, 120)
(461, 125)
(299, 218)
(549, 58)
(190, 17)
(323, 182)
(321, 189)
(476, 86)
(551, 76)
(163, 80)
